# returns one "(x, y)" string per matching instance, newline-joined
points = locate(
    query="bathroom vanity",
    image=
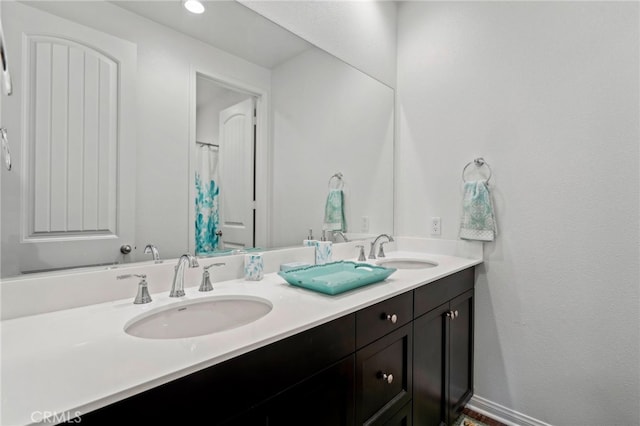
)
(368, 367)
(395, 352)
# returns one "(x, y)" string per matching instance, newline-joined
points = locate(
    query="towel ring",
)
(340, 182)
(479, 162)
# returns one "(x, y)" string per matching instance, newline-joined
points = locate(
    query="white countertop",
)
(73, 361)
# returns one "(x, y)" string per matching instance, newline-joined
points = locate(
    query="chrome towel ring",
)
(8, 87)
(478, 162)
(5, 148)
(340, 183)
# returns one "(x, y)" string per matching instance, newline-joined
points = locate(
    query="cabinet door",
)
(324, 399)
(401, 418)
(384, 377)
(429, 335)
(460, 354)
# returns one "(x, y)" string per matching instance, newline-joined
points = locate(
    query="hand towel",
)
(334, 211)
(478, 220)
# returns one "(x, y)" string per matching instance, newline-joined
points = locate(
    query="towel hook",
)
(340, 182)
(478, 162)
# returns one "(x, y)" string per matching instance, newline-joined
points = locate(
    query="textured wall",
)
(547, 92)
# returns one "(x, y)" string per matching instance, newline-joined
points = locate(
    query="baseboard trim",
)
(501, 413)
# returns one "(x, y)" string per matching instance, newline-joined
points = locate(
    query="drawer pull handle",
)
(452, 314)
(385, 377)
(390, 317)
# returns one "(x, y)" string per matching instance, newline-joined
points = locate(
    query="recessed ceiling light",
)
(193, 6)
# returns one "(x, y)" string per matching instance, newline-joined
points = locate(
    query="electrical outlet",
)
(364, 227)
(436, 228)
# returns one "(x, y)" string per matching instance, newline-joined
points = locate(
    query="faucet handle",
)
(381, 250)
(206, 285)
(122, 277)
(143, 295)
(361, 256)
(213, 264)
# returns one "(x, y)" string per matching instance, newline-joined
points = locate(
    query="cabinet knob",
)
(385, 377)
(452, 314)
(390, 317)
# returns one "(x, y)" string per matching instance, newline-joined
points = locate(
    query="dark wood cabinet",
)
(403, 361)
(443, 352)
(326, 398)
(224, 391)
(382, 318)
(384, 377)
(460, 354)
(403, 417)
(429, 368)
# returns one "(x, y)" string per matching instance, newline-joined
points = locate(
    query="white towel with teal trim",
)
(478, 220)
(334, 211)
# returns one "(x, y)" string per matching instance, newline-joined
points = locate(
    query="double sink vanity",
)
(399, 351)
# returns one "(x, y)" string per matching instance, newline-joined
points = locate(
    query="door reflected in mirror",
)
(224, 168)
(315, 115)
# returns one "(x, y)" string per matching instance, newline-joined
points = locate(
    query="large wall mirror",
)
(140, 123)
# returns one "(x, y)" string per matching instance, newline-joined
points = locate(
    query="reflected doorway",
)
(224, 168)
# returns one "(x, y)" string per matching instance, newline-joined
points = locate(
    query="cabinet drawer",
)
(377, 320)
(384, 376)
(434, 294)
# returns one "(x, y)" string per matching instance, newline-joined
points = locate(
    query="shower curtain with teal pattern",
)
(207, 191)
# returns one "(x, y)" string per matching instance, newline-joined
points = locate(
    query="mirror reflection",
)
(226, 128)
(120, 106)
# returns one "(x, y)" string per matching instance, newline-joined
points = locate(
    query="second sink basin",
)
(199, 317)
(406, 263)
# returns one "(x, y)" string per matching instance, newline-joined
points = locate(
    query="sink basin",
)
(399, 263)
(198, 317)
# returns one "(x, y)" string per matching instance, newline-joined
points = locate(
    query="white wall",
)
(361, 33)
(547, 93)
(321, 108)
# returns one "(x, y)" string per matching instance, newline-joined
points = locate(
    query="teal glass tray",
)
(336, 277)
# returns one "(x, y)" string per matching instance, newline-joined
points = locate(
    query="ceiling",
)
(227, 25)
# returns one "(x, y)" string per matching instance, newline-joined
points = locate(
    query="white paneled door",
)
(73, 108)
(237, 146)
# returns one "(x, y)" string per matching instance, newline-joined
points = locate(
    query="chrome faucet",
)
(372, 252)
(336, 232)
(177, 288)
(150, 248)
